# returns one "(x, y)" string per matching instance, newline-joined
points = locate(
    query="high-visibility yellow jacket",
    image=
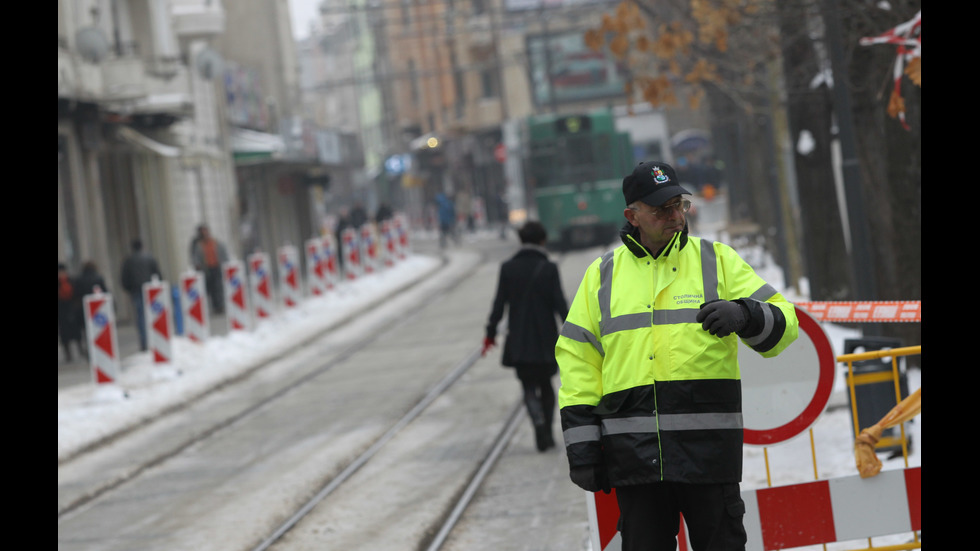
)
(645, 391)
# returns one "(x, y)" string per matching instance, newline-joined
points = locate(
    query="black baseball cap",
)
(653, 183)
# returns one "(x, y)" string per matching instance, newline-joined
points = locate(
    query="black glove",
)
(591, 478)
(723, 317)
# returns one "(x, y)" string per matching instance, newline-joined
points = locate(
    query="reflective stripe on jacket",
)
(647, 392)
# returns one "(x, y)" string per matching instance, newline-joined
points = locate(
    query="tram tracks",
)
(443, 506)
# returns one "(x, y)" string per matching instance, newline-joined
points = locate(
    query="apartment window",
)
(406, 12)
(489, 87)
(414, 78)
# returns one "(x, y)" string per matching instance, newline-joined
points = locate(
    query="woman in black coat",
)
(529, 284)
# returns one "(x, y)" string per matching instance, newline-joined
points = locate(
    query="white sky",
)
(302, 12)
(87, 413)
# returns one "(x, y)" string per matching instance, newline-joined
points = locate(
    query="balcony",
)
(479, 31)
(67, 75)
(123, 78)
(197, 18)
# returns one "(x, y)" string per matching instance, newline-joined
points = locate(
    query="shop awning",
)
(137, 138)
(250, 145)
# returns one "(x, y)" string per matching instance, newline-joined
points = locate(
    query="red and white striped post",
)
(314, 267)
(194, 306)
(331, 263)
(401, 231)
(352, 254)
(103, 342)
(261, 285)
(369, 248)
(289, 280)
(236, 296)
(158, 313)
(389, 244)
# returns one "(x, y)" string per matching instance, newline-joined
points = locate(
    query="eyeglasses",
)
(663, 212)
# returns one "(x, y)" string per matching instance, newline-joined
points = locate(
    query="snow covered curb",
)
(89, 414)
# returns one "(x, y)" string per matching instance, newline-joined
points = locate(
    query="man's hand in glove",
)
(723, 317)
(590, 478)
(488, 343)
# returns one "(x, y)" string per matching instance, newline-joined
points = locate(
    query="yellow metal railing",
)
(879, 377)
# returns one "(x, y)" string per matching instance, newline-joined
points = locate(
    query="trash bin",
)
(876, 399)
(178, 313)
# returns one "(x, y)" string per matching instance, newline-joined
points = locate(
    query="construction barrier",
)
(315, 278)
(352, 254)
(369, 249)
(389, 243)
(289, 280)
(103, 341)
(158, 313)
(194, 304)
(818, 512)
(865, 311)
(331, 261)
(401, 231)
(893, 376)
(236, 296)
(260, 278)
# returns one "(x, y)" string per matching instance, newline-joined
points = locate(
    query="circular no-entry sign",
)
(783, 396)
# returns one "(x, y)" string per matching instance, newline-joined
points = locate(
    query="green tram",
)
(575, 168)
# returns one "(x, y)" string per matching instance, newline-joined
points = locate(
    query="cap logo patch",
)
(659, 175)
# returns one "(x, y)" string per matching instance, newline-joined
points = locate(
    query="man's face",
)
(657, 224)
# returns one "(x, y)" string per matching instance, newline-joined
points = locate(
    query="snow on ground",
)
(88, 413)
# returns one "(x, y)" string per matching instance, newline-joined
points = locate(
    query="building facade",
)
(141, 147)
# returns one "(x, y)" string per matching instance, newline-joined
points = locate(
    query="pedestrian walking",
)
(209, 255)
(529, 287)
(138, 268)
(70, 328)
(446, 213)
(650, 396)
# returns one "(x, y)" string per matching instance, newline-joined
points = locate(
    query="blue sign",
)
(398, 164)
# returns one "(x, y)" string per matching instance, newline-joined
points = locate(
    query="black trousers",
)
(215, 288)
(539, 395)
(650, 516)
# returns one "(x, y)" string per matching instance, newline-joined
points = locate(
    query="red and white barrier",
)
(103, 341)
(194, 306)
(158, 313)
(260, 278)
(331, 262)
(865, 311)
(289, 280)
(389, 243)
(401, 231)
(796, 515)
(369, 249)
(315, 279)
(838, 509)
(352, 254)
(236, 296)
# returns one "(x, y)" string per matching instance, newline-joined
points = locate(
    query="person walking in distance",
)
(69, 307)
(529, 286)
(650, 397)
(138, 268)
(209, 255)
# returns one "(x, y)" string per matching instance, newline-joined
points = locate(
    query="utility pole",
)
(861, 253)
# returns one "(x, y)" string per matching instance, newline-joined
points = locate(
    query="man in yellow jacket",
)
(650, 396)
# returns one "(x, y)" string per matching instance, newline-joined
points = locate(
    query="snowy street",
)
(219, 449)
